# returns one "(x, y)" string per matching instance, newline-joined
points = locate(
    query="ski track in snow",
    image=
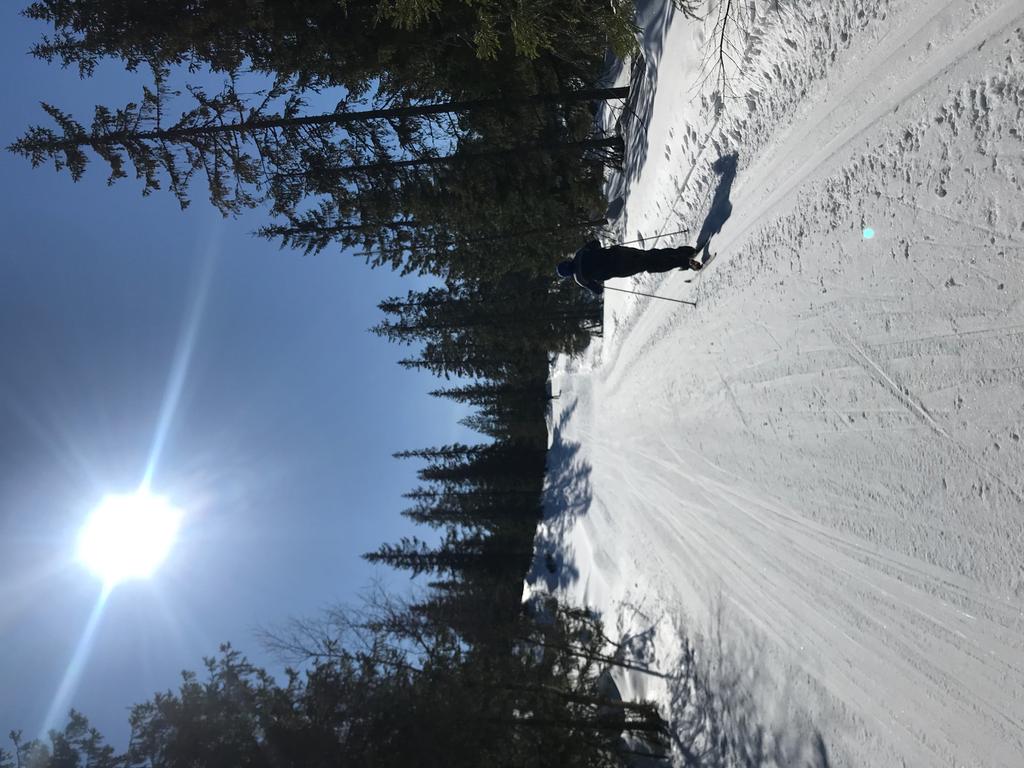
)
(817, 475)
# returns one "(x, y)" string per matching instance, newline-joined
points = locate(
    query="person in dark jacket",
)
(593, 264)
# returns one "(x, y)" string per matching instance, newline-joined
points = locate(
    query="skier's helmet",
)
(564, 268)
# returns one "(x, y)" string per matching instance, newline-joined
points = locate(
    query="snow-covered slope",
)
(817, 474)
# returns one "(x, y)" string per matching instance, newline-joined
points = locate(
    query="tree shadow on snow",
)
(654, 18)
(721, 206)
(717, 692)
(712, 716)
(714, 720)
(567, 495)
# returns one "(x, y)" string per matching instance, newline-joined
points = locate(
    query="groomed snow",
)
(816, 476)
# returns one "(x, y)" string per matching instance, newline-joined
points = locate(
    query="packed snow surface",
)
(816, 475)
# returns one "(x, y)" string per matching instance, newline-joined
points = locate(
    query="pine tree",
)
(324, 42)
(445, 453)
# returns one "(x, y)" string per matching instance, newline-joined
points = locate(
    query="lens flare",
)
(59, 705)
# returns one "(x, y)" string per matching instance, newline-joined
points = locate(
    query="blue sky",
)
(278, 449)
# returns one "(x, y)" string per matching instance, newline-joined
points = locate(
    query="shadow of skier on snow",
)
(721, 206)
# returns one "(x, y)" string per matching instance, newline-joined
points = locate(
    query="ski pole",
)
(663, 234)
(651, 296)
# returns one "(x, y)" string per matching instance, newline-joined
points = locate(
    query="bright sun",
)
(128, 536)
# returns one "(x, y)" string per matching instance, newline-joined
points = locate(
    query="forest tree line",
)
(462, 145)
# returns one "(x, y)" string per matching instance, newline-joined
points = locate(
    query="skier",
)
(593, 264)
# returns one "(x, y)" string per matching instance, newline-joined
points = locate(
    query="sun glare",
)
(128, 537)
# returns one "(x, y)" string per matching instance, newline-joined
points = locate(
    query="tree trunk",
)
(581, 723)
(339, 118)
(580, 654)
(279, 230)
(489, 238)
(608, 142)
